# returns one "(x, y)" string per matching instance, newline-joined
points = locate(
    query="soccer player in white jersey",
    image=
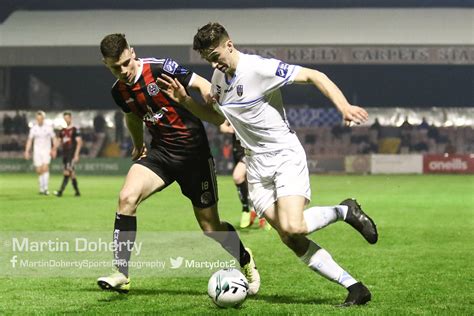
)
(41, 136)
(245, 91)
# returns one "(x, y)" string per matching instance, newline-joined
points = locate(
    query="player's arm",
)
(350, 113)
(54, 149)
(56, 144)
(176, 91)
(226, 128)
(135, 127)
(78, 148)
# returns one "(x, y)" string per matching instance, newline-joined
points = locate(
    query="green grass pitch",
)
(422, 264)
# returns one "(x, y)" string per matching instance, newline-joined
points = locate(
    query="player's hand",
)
(27, 155)
(209, 99)
(139, 153)
(173, 88)
(354, 115)
(53, 154)
(75, 159)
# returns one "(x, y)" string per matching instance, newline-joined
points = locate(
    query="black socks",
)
(125, 231)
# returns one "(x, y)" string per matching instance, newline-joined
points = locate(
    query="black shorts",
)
(196, 178)
(68, 163)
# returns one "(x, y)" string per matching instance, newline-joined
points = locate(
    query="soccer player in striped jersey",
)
(179, 151)
(71, 141)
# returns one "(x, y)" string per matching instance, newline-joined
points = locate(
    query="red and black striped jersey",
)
(175, 131)
(68, 139)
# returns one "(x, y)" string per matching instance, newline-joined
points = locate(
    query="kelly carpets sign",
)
(397, 55)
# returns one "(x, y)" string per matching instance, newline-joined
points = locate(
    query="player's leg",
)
(39, 173)
(45, 177)
(288, 219)
(74, 180)
(349, 210)
(140, 183)
(292, 192)
(198, 182)
(226, 235)
(66, 175)
(38, 164)
(240, 181)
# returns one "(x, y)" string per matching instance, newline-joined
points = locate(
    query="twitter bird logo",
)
(176, 263)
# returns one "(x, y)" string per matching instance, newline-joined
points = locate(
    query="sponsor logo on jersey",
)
(282, 70)
(154, 117)
(152, 89)
(240, 90)
(130, 100)
(170, 66)
(219, 89)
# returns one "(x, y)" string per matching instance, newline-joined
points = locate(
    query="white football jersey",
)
(252, 103)
(42, 137)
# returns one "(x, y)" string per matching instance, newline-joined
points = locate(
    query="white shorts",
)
(41, 158)
(276, 174)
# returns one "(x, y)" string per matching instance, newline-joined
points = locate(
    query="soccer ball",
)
(228, 288)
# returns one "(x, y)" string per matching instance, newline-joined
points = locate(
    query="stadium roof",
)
(72, 37)
(248, 26)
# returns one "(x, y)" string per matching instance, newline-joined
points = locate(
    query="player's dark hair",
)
(67, 113)
(113, 45)
(209, 36)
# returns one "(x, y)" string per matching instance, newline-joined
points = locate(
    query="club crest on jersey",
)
(170, 66)
(282, 70)
(152, 89)
(240, 90)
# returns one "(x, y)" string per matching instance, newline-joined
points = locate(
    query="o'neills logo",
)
(455, 164)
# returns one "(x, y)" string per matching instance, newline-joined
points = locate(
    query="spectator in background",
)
(424, 124)
(433, 133)
(7, 125)
(18, 123)
(24, 124)
(99, 123)
(405, 133)
(339, 130)
(450, 148)
(118, 120)
(376, 126)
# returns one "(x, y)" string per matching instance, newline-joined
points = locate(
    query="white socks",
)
(43, 181)
(319, 260)
(317, 217)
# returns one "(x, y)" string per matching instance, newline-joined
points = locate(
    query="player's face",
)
(125, 68)
(68, 119)
(221, 57)
(40, 119)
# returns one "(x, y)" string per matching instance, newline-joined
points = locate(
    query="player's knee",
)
(128, 202)
(238, 179)
(292, 230)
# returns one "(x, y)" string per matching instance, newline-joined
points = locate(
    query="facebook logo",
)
(282, 70)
